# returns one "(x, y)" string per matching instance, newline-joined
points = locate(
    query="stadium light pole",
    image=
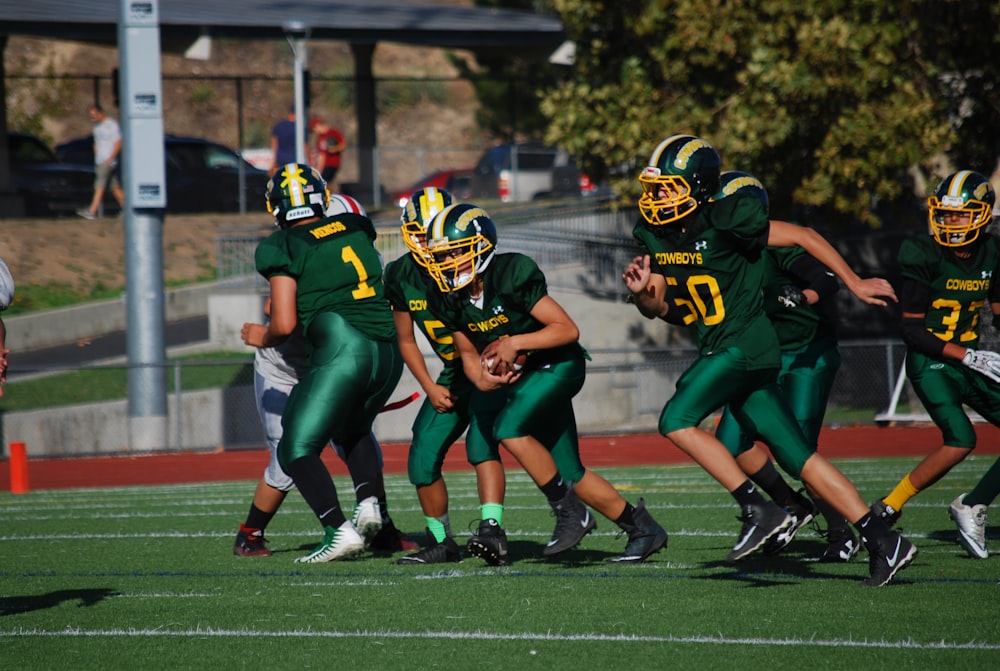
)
(144, 181)
(297, 33)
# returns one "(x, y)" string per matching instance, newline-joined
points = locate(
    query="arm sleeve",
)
(675, 315)
(918, 338)
(914, 296)
(815, 276)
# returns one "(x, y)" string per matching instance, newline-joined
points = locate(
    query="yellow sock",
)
(903, 492)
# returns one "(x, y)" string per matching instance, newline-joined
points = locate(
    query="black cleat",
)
(760, 523)
(573, 521)
(645, 538)
(250, 543)
(891, 554)
(436, 553)
(489, 544)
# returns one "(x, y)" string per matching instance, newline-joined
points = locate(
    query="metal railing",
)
(211, 402)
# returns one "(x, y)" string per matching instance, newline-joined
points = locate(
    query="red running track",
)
(597, 452)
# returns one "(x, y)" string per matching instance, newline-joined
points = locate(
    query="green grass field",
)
(144, 578)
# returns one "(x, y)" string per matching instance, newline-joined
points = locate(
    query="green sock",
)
(438, 526)
(987, 488)
(492, 511)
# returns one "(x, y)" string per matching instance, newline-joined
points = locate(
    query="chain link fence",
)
(211, 405)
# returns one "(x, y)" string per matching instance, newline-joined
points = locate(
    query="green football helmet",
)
(683, 173)
(961, 207)
(736, 181)
(461, 241)
(417, 214)
(296, 191)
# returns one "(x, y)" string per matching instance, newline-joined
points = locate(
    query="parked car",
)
(201, 175)
(526, 171)
(456, 181)
(49, 186)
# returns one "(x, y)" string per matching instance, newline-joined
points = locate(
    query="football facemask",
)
(960, 208)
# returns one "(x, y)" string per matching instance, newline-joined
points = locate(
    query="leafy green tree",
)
(509, 85)
(835, 104)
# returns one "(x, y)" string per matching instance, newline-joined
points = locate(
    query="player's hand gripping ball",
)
(495, 365)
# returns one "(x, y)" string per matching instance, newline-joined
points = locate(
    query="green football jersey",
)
(800, 325)
(336, 268)
(407, 286)
(512, 285)
(958, 287)
(716, 269)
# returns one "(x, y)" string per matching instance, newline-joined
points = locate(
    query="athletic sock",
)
(903, 492)
(439, 527)
(872, 528)
(362, 463)
(987, 489)
(555, 489)
(834, 520)
(492, 511)
(627, 518)
(257, 518)
(316, 486)
(769, 479)
(746, 494)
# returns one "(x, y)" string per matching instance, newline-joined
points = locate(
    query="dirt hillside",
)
(78, 253)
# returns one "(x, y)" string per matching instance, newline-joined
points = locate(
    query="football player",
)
(276, 371)
(444, 415)
(501, 301)
(703, 267)
(325, 273)
(947, 278)
(800, 300)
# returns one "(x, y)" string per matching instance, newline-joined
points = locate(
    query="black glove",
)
(791, 297)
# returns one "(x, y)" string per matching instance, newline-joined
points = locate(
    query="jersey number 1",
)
(348, 255)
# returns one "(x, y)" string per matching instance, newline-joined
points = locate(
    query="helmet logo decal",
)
(740, 182)
(469, 218)
(293, 181)
(687, 151)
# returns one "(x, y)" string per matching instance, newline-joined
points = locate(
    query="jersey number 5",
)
(703, 291)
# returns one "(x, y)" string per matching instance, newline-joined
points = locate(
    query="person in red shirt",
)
(329, 144)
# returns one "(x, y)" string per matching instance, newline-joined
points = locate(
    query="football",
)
(489, 360)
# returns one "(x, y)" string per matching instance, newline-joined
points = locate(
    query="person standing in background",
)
(329, 145)
(107, 148)
(283, 142)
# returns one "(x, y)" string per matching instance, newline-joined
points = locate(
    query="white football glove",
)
(983, 362)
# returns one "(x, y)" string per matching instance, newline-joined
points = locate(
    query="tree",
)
(835, 105)
(509, 85)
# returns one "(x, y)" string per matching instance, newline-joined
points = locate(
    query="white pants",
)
(272, 397)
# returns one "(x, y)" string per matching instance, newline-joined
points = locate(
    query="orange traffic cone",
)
(19, 469)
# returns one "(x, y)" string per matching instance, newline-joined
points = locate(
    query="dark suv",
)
(202, 176)
(48, 186)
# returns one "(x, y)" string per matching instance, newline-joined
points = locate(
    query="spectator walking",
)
(107, 148)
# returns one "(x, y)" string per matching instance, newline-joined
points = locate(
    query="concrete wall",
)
(67, 325)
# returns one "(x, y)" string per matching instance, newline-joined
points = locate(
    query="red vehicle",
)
(456, 181)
